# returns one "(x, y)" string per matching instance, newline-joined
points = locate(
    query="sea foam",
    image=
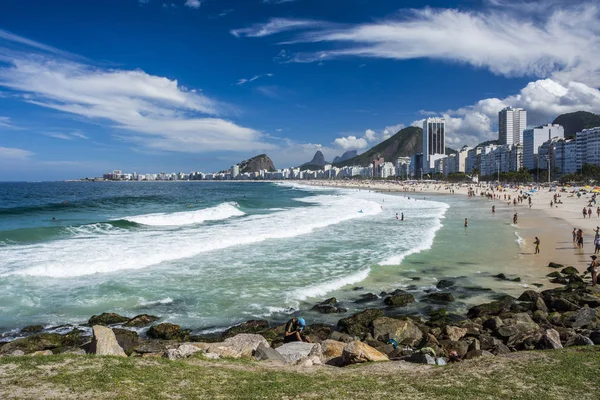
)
(220, 212)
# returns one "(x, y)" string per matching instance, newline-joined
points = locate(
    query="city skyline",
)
(187, 86)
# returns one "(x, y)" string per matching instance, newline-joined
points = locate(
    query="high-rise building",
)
(434, 140)
(533, 139)
(511, 124)
(588, 147)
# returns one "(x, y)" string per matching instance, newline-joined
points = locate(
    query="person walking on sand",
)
(590, 213)
(537, 245)
(598, 211)
(580, 239)
(597, 245)
(593, 268)
(584, 212)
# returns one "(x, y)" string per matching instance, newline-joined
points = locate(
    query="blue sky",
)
(186, 85)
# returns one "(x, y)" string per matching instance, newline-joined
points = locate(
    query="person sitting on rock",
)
(293, 331)
(454, 356)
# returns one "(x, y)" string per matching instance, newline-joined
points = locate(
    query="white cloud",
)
(351, 143)
(5, 122)
(278, 1)
(65, 136)
(151, 111)
(7, 153)
(193, 3)
(561, 43)
(275, 25)
(369, 138)
(248, 80)
(543, 99)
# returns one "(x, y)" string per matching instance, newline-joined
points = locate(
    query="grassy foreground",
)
(558, 374)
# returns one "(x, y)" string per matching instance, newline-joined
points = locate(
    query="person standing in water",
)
(396, 215)
(515, 219)
(537, 245)
(466, 223)
(493, 209)
(574, 235)
(402, 217)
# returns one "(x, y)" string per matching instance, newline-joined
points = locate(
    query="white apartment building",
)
(511, 124)
(402, 167)
(533, 139)
(461, 159)
(473, 160)
(566, 156)
(588, 147)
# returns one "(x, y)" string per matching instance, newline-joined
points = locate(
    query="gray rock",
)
(245, 344)
(211, 356)
(440, 361)
(551, 339)
(42, 353)
(402, 331)
(420, 358)
(187, 350)
(493, 323)
(579, 340)
(292, 352)
(341, 337)
(17, 353)
(588, 318)
(104, 342)
(265, 353)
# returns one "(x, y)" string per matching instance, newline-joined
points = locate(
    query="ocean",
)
(208, 255)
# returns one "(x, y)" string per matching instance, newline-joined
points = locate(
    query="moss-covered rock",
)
(569, 271)
(32, 329)
(167, 331)
(44, 341)
(252, 326)
(555, 265)
(141, 320)
(359, 324)
(107, 319)
(440, 297)
(399, 300)
(128, 340)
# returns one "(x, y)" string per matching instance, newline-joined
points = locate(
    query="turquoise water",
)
(207, 255)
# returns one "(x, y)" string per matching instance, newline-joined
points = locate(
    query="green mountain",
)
(577, 121)
(406, 143)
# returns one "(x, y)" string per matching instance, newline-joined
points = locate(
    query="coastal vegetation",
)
(552, 374)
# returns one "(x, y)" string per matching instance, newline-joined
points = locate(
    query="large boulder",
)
(104, 342)
(359, 352)
(252, 326)
(107, 319)
(494, 308)
(128, 340)
(265, 353)
(28, 330)
(454, 333)
(569, 271)
(579, 340)
(167, 331)
(461, 347)
(359, 324)
(184, 351)
(555, 265)
(529, 295)
(44, 341)
(399, 300)
(332, 352)
(141, 320)
(402, 331)
(245, 344)
(294, 351)
(562, 305)
(550, 340)
(585, 318)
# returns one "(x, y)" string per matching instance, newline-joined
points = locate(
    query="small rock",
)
(443, 283)
(167, 331)
(252, 326)
(555, 265)
(17, 353)
(454, 333)
(420, 358)
(440, 297)
(399, 300)
(569, 271)
(141, 320)
(187, 350)
(367, 297)
(211, 356)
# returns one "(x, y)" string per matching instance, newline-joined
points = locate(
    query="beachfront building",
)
(588, 147)
(516, 158)
(235, 171)
(533, 139)
(473, 160)
(438, 164)
(434, 142)
(450, 164)
(416, 166)
(511, 124)
(402, 167)
(547, 156)
(566, 156)
(461, 159)
(386, 170)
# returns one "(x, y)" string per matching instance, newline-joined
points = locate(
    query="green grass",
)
(559, 374)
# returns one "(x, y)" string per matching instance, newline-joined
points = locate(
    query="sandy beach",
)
(552, 225)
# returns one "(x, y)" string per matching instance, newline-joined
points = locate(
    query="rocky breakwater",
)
(564, 316)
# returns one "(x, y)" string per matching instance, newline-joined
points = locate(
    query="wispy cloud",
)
(193, 3)
(66, 136)
(275, 25)
(226, 12)
(272, 91)
(561, 43)
(277, 1)
(5, 122)
(8, 153)
(150, 111)
(248, 80)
